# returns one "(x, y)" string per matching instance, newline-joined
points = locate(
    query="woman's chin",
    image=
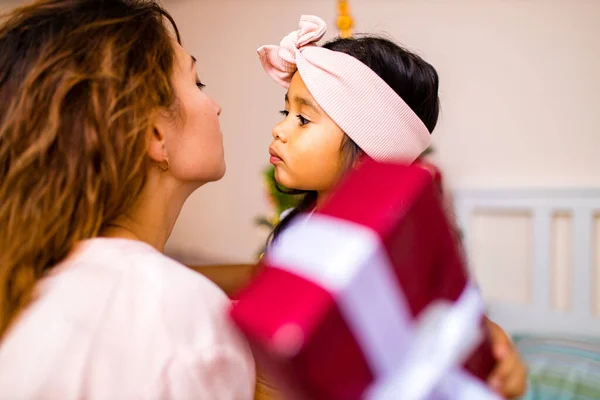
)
(221, 172)
(217, 173)
(214, 175)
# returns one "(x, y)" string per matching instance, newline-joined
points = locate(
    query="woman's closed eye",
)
(200, 84)
(303, 121)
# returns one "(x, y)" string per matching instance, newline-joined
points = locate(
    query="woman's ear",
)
(157, 150)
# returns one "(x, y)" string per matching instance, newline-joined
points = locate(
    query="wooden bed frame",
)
(229, 277)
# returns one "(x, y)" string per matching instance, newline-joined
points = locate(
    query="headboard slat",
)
(583, 271)
(542, 222)
(542, 205)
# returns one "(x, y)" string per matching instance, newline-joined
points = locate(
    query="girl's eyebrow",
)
(304, 102)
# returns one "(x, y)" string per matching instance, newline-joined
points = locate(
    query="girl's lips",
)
(275, 158)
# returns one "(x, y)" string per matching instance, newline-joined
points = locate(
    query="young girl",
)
(104, 133)
(351, 98)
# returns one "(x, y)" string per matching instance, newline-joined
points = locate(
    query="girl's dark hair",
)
(411, 77)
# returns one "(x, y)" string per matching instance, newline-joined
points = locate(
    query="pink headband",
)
(355, 97)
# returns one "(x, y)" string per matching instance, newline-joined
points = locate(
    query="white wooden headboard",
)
(539, 316)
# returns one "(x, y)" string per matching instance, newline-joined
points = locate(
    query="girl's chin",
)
(281, 177)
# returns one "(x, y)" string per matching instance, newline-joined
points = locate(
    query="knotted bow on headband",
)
(354, 97)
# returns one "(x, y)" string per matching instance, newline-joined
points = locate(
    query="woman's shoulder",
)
(187, 307)
(165, 274)
(186, 299)
(110, 302)
(139, 259)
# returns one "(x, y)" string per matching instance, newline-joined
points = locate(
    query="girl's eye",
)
(200, 85)
(303, 121)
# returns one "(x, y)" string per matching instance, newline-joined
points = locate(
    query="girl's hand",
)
(509, 377)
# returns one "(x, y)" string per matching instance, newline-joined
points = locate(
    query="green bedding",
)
(561, 368)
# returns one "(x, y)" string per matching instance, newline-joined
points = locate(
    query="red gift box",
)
(369, 297)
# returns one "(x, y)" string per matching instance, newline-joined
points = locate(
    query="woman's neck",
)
(153, 217)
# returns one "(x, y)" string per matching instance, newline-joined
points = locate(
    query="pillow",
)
(561, 367)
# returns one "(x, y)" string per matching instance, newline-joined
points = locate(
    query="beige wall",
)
(519, 88)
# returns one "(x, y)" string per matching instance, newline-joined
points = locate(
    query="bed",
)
(549, 302)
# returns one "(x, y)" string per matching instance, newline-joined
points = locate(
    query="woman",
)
(104, 133)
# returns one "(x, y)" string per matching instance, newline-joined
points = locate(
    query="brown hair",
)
(81, 82)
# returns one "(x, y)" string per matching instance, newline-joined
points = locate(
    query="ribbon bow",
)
(280, 61)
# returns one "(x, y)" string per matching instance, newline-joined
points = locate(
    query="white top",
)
(118, 320)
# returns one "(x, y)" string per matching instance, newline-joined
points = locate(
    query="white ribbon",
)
(445, 334)
(347, 260)
(412, 360)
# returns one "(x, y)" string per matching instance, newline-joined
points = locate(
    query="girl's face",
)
(306, 147)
